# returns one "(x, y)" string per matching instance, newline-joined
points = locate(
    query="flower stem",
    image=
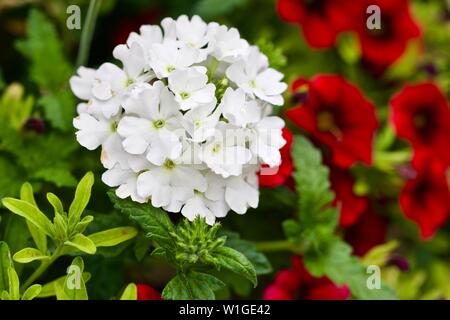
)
(42, 268)
(280, 245)
(88, 31)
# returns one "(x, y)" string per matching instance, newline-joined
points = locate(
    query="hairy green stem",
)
(88, 32)
(42, 268)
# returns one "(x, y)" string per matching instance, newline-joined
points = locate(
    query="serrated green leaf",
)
(49, 67)
(112, 237)
(81, 199)
(337, 263)
(28, 255)
(130, 292)
(248, 249)
(317, 220)
(59, 110)
(5, 264)
(192, 286)
(236, 262)
(32, 292)
(31, 213)
(82, 243)
(155, 222)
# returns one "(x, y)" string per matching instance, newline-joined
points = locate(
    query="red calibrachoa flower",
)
(368, 232)
(145, 292)
(321, 20)
(351, 206)
(426, 198)
(297, 283)
(336, 114)
(382, 47)
(421, 115)
(284, 172)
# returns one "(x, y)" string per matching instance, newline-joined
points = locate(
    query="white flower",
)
(185, 122)
(239, 192)
(150, 127)
(254, 76)
(125, 180)
(147, 36)
(195, 34)
(239, 110)
(170, 185)
(167, 57)
(226, 44)
(225, 153)
(191, 87)
(200, 123)
(267, 140)
(82, 83)
(134, 62)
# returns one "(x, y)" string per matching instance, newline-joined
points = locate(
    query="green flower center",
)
(169, 164)
(170, 68)
(184, 95)
(158, 124)
(129, 82)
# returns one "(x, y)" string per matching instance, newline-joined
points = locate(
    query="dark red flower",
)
(426, 198)
(321, 20)
(298, 283)
(421, 115)
(351, 206)
(337, 115)
(382, 47)
(368, 232)
(284, 171)
(145, 292)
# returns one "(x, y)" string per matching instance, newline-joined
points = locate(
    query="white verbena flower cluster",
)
(185, 123)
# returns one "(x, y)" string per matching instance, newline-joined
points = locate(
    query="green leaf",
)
(236, 262)
(13, 284)
(81, 199)
(337, 263)
(130, 292)
(49, 67)
(55, 203)
(32, 292)
(31, 213)
(379, 255)
(73, 286)
(81, 226)
(82, 243)
(48, 289)
(5, 264)
(349, 48)
(248, 249)
(192, 286)
(28, 255)
(39, 238)
(317, 220)
(155, 222)
(59, 110)
(11, 175)
(112, 237)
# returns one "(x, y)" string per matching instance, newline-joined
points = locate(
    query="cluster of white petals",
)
(185, 124)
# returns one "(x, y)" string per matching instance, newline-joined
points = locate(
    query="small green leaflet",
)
(192, 286)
